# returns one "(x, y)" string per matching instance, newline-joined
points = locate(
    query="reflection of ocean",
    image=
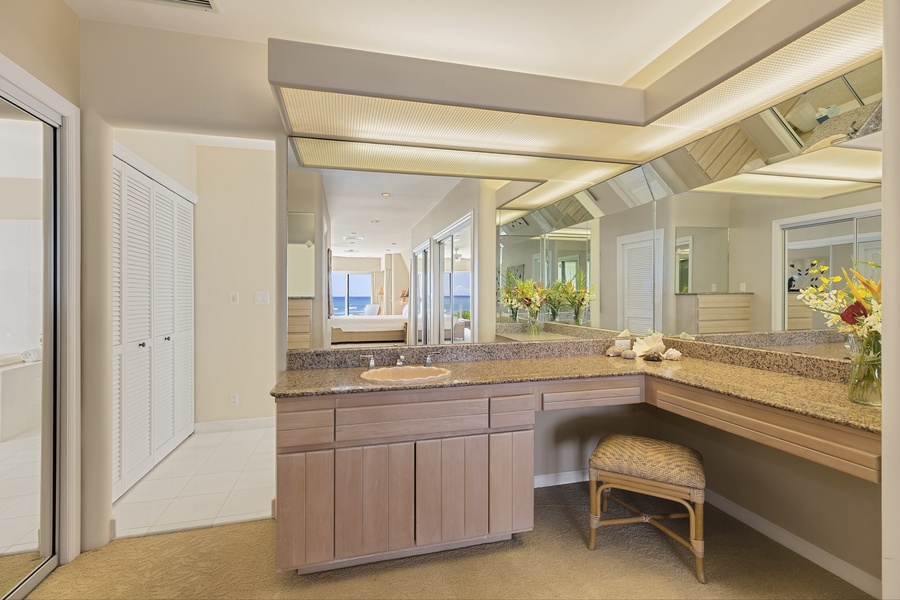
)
(357, 304)
(460, 303)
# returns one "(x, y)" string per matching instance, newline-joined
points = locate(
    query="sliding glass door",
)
(29, 275)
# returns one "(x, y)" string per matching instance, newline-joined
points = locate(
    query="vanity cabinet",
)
(373, 476)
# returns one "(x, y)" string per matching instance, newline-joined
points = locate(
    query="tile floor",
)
(210, 479)
(20, 487)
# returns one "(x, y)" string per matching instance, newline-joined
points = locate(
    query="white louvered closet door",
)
(137, 302)
(116, 270)
(163, 406)
(184, 318)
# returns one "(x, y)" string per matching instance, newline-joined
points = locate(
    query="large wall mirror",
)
(719, 222)
(712, 227)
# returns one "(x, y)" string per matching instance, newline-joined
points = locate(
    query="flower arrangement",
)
(507, 294)
(856, 311)
(556, 298)
(578, 294)
(530, 296)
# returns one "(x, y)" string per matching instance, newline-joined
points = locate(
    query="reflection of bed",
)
(373, 328)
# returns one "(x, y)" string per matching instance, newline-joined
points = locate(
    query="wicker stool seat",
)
(655, 468)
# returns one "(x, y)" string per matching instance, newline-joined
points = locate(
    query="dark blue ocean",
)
(358, 304)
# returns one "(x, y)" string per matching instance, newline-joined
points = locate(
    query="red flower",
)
(854, 313)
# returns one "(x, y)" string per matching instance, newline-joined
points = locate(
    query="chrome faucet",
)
(371, 360)
(428, 360)
(400, 360)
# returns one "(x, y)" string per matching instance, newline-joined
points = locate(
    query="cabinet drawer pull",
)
(142, 344)
(167, 338)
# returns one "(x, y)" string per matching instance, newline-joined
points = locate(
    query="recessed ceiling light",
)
(374, 221)
(393, 243)
(350, 250)
(353, 237)
(386, 194)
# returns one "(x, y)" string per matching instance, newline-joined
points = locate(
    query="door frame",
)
(28, 91)
(655, 237)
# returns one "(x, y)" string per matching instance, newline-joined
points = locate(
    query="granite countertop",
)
(542, 336)
(837, 351)
(802, 395)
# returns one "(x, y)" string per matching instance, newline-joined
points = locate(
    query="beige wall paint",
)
(142, 78)
(42, 37)
(96, 330)
(172, 153)
(234, 343)
(21, 198)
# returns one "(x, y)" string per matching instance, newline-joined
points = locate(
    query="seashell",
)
(629, 354)
(614, 351)
(653, 356)
(672, 354)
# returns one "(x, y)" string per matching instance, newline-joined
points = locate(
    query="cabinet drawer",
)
(849, 450)
(609, 392)
(299, 307)
(403, 419)
(303, 428)
(512, 411)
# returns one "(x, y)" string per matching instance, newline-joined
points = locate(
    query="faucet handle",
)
(428, 360)
(400, 360)
(371, 359)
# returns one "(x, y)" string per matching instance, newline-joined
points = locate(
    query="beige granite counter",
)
(807, 396)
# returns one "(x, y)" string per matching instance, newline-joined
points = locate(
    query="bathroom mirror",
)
(701, 259)
(301, 255)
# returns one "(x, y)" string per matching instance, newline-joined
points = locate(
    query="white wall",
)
(234, 343)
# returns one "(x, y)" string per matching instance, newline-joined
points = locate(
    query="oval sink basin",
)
(405, 374)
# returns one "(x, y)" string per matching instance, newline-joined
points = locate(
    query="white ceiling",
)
(599, 41)
(354, 199)
(617, 39)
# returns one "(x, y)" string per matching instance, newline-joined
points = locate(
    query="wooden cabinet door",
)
(305, 508)
(451, 489)
(511, 482)
(374, 499)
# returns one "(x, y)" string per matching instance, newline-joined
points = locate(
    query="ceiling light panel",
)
(328, 114)
(831, 163)
(791, 187)
(834, 47)
(316, 153)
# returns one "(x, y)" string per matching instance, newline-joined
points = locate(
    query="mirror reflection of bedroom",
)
(350, 247)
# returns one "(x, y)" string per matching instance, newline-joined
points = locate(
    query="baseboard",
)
(560, 478)
(234, 425)
(852, 575)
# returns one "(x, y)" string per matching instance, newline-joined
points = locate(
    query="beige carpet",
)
(634, 561)
(15, 567)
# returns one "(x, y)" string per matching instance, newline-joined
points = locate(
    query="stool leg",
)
(697, 542)
(594, 509)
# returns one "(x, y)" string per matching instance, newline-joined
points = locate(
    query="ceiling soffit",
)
(851, 39)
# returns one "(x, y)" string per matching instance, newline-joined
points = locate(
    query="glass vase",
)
(513, 314)
(576, 315)
(865, 369)
(533, 322)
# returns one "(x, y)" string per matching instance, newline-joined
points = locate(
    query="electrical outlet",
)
(743, 287)
(713, 287)
(234, 399)
(235, 297)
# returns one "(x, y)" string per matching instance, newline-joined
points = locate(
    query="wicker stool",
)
(655, 468)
